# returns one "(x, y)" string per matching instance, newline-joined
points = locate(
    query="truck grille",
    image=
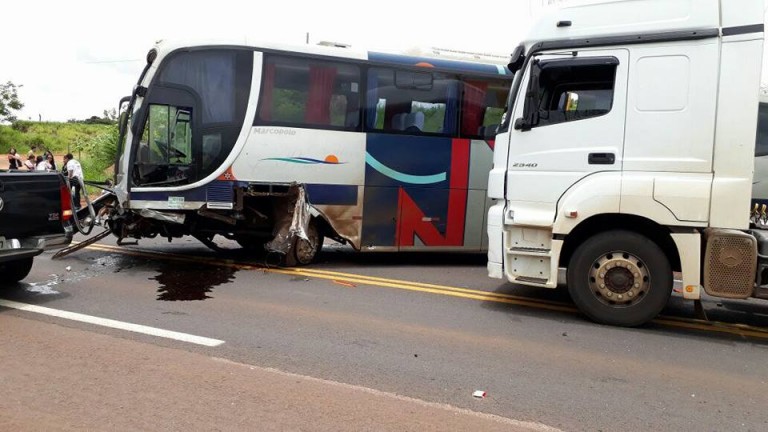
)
(730, 264)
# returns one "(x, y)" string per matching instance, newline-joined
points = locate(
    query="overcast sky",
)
(76, 58)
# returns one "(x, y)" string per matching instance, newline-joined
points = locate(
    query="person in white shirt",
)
(75, 175)
(41, 164)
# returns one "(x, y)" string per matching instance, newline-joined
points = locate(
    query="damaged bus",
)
(279, 148)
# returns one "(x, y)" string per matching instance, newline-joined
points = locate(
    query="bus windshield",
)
(193, 113)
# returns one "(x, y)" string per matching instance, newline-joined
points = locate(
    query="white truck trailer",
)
(627, 154)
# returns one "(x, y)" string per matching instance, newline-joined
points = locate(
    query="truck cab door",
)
(566, 135)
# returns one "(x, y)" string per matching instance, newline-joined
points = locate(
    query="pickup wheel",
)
(15, 271)
(620, 278)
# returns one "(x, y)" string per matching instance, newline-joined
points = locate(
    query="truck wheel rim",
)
(619, 279)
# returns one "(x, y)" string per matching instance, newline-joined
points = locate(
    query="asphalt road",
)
(430, 329)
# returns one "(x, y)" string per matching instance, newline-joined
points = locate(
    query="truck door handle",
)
(601, 158)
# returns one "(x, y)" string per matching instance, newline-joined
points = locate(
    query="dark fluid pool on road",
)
(186, 282)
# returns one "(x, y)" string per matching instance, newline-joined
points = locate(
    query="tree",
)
(9, 102)
(111, 115)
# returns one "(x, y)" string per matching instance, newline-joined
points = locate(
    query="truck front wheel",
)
(620, 278)
(14, 271)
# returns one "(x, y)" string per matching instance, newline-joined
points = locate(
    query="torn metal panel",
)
(176, 218)
(291, 220)
(301, 213)
(345, 220)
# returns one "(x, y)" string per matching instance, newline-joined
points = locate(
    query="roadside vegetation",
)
(93, 144)
(92, 141)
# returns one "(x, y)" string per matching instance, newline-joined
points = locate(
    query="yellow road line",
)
(325, 273)
(346, 277)
(667, 321)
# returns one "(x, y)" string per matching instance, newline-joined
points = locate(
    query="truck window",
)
(571, 90)
(761, 145)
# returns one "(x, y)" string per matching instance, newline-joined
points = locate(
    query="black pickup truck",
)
(35, 210)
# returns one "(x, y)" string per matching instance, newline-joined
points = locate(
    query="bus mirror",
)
(413, 80)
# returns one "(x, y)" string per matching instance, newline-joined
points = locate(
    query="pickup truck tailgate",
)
(30, 204)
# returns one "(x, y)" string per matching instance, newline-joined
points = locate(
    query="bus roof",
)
(459, 66)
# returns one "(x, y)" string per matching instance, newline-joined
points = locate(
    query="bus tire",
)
(15, 271)
(620, 278)
(305, 252)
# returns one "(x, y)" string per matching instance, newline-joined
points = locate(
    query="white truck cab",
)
(627, 154)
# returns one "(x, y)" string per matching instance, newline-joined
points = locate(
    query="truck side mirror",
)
(531, 109)
(521, 124)
(571, 102)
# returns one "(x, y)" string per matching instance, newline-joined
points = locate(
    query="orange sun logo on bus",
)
(425, 64)
(329, 160)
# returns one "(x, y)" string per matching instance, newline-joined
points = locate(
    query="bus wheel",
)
(303, 251)
(620, 278)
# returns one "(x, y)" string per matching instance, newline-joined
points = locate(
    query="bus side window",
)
(482, 107)
(413, 102)
(303, 92)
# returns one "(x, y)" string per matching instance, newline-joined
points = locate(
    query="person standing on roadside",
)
(51, 161)
(75, 176)
(14, 160)
(41, 164)
(30, 163)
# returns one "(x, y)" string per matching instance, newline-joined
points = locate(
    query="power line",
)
(112, 61)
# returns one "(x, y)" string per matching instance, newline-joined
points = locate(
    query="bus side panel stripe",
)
(326, 194)
(457, 200)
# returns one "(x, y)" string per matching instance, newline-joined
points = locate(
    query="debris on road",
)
(479, 394)
(346, 284)
(69, 268)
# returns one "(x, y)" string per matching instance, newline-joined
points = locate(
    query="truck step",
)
(523, 251)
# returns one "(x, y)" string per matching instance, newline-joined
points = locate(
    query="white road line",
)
(104, 322)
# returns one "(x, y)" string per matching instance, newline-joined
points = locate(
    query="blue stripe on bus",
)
(402, 177)
(406, 160)
(326, 194)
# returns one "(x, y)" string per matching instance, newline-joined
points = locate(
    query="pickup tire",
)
(620, 278)
(14, 271)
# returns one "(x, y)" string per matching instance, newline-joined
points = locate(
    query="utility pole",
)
(307, 38)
